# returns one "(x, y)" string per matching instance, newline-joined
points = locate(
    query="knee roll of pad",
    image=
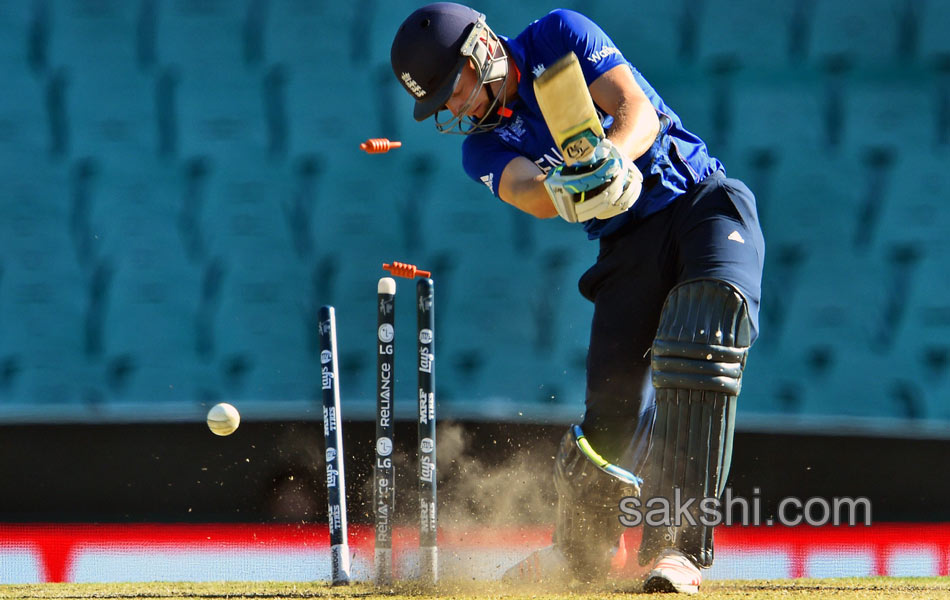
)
(703, 338)
(698, 358)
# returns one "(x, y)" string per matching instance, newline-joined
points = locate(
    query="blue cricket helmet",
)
(427, 53)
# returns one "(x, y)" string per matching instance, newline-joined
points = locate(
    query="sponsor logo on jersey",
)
(512, 132)
(601, 54)
(489, 181)
(537, 70)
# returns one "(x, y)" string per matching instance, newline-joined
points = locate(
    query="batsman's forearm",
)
(634, 129)
(535, 200)
(636, 123)
(522, 186)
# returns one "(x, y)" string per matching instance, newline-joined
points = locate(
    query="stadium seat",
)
(653, 49)
(913, 210)
(46, 294)
(865, 386)
(153, 326)
(110, 97)
(763, 382)
(219, 112)
(24, 128)
(923, 341)
(934, 22)
(322, 88)
(756, 35)
(16, 20)
(866, 34)
(790, 111)
(23, 118)
(261, 334)
(885, 115)
(292, 34)
(93, 36)
(201, 38)
(841, 327)
(834, 305)
(154, 288)
(806, 184)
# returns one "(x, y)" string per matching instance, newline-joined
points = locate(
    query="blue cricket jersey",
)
(677, 160)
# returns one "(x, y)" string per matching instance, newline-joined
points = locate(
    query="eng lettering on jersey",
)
(601, 54)
(549, 161)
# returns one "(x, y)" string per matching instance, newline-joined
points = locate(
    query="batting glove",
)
(602, 188)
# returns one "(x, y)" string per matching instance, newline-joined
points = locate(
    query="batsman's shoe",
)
(673, 572)
(547, 565)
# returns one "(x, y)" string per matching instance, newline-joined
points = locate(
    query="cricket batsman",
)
(676, 284)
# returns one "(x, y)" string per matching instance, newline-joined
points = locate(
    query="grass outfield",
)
(871, 587)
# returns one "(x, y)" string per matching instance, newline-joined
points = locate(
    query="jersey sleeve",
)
(484, 157)
(564, 31)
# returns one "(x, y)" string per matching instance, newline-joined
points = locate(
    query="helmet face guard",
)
(486, 53)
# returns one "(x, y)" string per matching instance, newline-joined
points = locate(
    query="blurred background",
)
(181, 189)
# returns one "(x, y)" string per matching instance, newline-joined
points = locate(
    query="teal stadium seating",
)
(933, 41)
(181, 190)
(757, 35)
(654, 50)
(866, 33)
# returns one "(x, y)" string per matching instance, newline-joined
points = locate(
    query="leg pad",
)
(698, 358)
(587, 527)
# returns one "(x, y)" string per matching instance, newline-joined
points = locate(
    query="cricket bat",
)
(568, 109)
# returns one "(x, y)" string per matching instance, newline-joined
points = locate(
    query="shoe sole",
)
(662, 585)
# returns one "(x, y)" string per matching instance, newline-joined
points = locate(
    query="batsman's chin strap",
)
(503, 111)
(601, 463)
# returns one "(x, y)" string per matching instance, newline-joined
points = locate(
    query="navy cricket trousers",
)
(710, 232)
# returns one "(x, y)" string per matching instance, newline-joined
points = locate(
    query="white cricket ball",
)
(223, 419)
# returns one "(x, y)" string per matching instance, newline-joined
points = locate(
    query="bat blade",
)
(568, 109)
